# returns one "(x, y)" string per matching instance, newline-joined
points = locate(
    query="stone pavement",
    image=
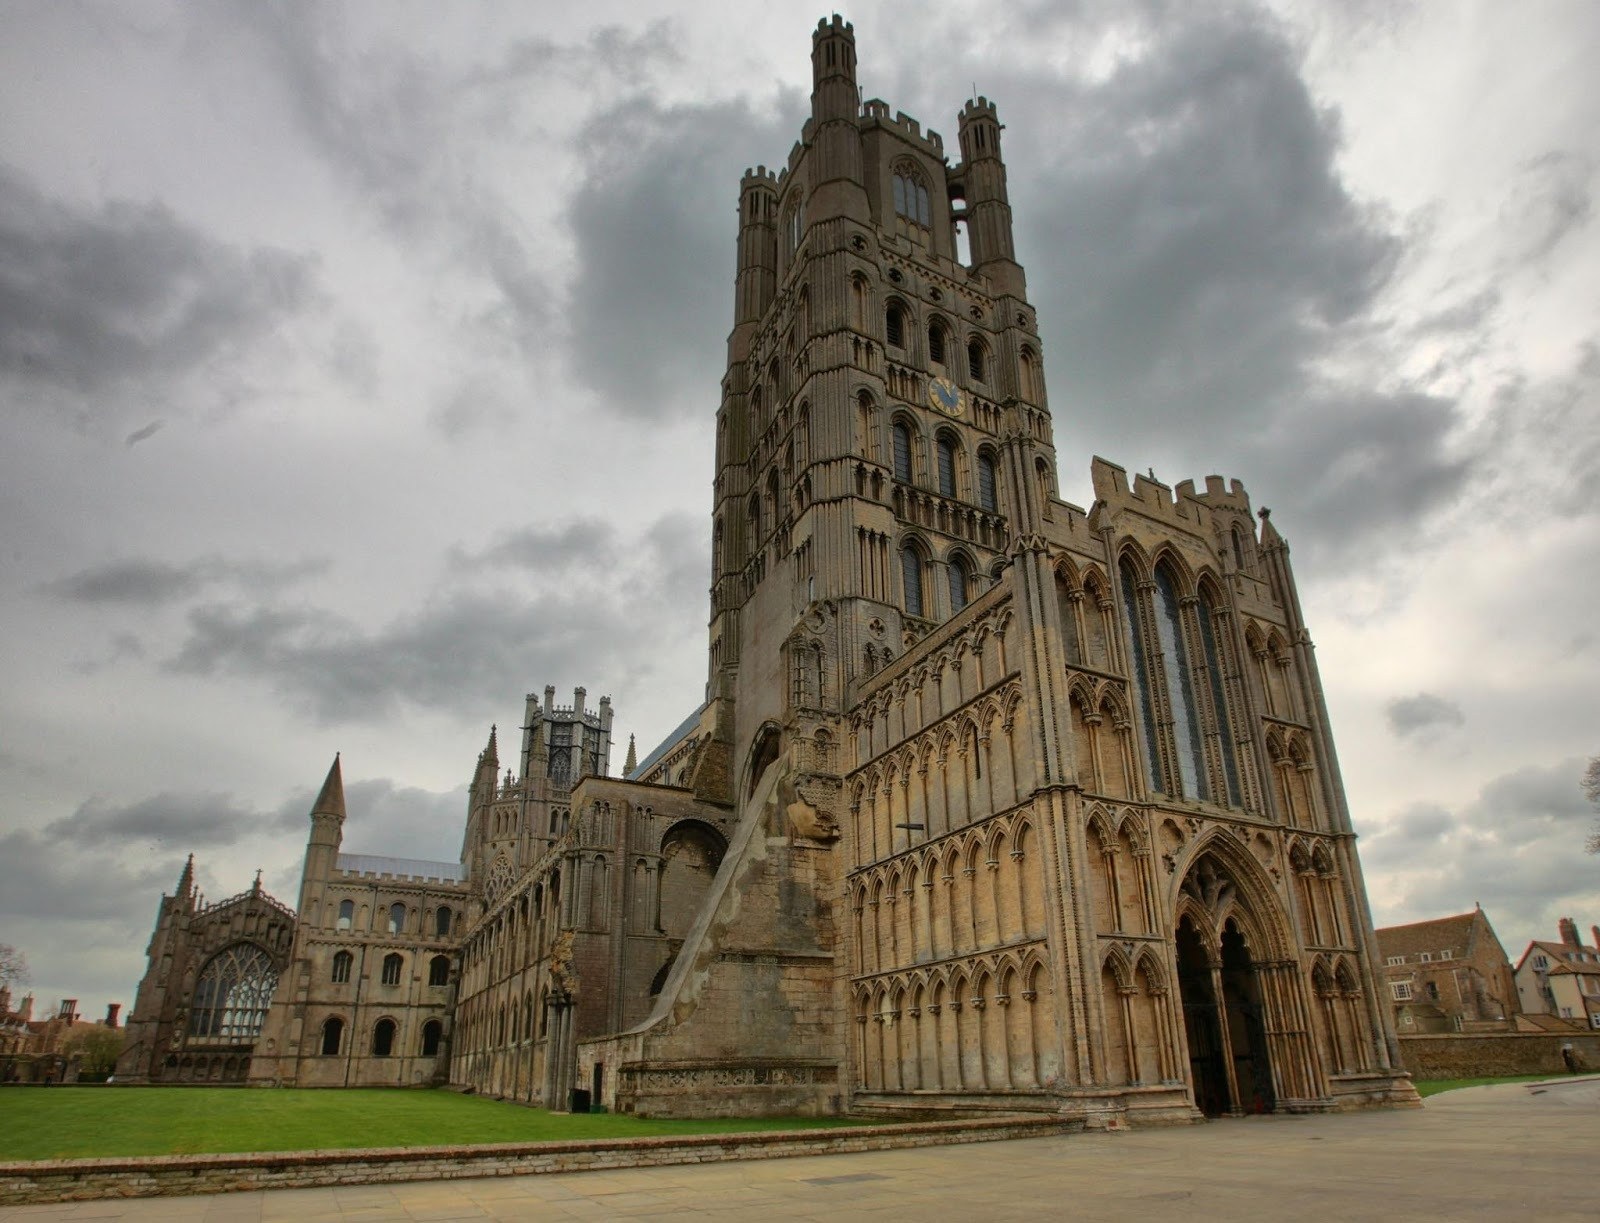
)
(1502, 1153)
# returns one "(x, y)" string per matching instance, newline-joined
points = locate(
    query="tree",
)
(98, 1048)
(13, 966)
(1591, 791)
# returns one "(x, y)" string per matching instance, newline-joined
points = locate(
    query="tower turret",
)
(983, 178)
(758, 246)
(837, 181)
(327, 833)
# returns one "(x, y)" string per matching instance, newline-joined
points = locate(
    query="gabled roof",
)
(1558, 953)
(1452, 934)
(666, 745)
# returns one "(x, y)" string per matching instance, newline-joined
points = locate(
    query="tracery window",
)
(1217, 649)
(341, 967)
(1180, 689)
(233, 993)
(911, 200)
(392, 964)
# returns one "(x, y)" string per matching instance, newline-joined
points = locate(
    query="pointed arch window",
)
(441, 921)
(233, 993)
(947, 465)
(392, 963)
(383, 1038)
(1217, 650)
(347, 914)
(397, 918)
(902, 452)
(432, 1035)
(987, 497)
(960, 582)
(975, 361)
(439, 970)
(911, 200)
(341, 967)
(911, 579)
(1180, 689)
(332, 1036)
(1140, 659)
(936, 345)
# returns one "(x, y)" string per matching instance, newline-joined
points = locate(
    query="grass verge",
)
(82, 1122)
(1432, 1087)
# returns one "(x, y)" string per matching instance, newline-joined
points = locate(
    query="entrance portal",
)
(1229, 1064)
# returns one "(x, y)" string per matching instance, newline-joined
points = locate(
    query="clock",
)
(945, 396)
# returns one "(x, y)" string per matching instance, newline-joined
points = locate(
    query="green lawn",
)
(67, 1122)
(1432, 1087)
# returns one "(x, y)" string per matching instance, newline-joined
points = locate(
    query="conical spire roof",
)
(186, 879)
(331, 800)
(633, 759)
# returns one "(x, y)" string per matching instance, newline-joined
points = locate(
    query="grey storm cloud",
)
(1408, 715)
(122, 299)
(459, 650)
(653, 222)
(544, 549)
(150, 583)
(172, 820)
(1518, 845)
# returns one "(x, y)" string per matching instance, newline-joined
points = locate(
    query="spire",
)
(256, 886)
(491, 751)
(331, 800)
(1269, 533)
(186, 880)
(632, 761)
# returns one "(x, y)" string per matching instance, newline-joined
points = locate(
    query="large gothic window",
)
(1140, 661)
(911, 200)
(1216, 649)
(1180, 689)
(233, 994)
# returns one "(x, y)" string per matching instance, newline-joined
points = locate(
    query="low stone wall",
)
(70, 1180)
(1475, 1055)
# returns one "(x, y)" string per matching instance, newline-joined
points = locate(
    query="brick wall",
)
(1472, 1056)
(68, 1180)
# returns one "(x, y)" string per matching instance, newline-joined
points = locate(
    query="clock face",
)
(945, 396)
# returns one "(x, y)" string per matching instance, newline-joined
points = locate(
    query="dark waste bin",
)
(580, 1101)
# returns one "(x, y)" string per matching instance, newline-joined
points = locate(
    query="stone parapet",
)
(71, 1180)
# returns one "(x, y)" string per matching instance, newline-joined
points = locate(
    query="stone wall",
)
(68, 1180)
(1454, 1056)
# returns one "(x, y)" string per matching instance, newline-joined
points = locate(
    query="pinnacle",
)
(633, 758)
(331, 800)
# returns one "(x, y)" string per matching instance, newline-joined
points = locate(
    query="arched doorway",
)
(1220, 983)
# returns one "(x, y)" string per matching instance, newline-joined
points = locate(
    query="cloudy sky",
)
(358, 364)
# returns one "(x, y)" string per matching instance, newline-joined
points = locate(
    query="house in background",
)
(1447, 975)
(1562, 979)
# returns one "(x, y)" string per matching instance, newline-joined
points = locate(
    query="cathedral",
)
(994, 803)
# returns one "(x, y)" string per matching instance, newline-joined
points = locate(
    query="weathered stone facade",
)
(994, 803)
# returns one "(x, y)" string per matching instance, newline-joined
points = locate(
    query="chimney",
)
(1569, 932)
(112, 1010)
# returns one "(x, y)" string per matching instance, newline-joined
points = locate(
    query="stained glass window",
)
(233, 994)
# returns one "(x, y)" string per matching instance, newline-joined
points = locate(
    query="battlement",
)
(875, 112)
(833, 25)
(1160, 500)
(757, 179)
(978, 108)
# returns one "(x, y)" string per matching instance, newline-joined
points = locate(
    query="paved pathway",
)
(1495, 1153)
